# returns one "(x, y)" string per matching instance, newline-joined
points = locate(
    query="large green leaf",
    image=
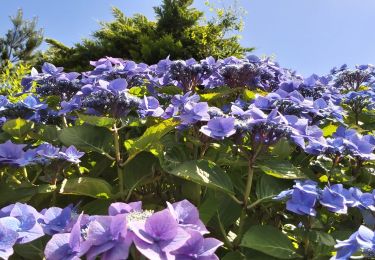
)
(87, 186)
(97, 120)
(18, 127)
(10, 195)
(269, 186)
(150, 137)
(281, 169)
(269, 240)
(87, 138)
(139, 169)
(205, 173)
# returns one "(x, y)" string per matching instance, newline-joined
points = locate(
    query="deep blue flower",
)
(56, 220)
(333, 198)
(304, 198)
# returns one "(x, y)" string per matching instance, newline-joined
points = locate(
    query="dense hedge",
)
(235, 137)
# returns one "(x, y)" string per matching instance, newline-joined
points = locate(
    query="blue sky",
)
(306, 35)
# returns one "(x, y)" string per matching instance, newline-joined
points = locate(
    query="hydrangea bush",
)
(211, 159)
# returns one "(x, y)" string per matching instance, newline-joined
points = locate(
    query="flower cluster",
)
(16, 155)
(363, 240)
(306, 196)
(172, 233)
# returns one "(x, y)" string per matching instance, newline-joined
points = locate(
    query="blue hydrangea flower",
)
(304, 198)
(56, 220)
(333, 198)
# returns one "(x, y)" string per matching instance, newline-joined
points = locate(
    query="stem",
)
(243, 216)
(116, 140)
(65, 122)
(224, 233)
(252, 205)
(246, 200)
(25, 175)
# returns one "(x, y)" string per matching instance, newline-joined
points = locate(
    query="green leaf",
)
(234, 256)
(268, 186)
(97, 207)
(86, 186)
(216, 95)
(281, 169)
(87, 138)
(282, 149)
(139, 169)
(205, 173)
(18, 127)
(150, 137)
(97, 120)
(269, 240)
(170, 90)
(329, 130)
(248, 95)
(32, 250)
(209, 207)
(10, 195)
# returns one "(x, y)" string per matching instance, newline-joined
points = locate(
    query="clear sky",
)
(306, 35)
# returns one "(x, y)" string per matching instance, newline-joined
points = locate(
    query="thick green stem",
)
(246, 200)
(243, 216)
(116, 140)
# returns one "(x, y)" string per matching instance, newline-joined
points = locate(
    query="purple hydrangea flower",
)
(187, 216)
(29, 228)
(123, 208)
(8, 235)
(150, 107)
(65, 246)
(159, 235)
(107, 236)
(219, 127)
(71, 154)
(10, 152)
(198, 247)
